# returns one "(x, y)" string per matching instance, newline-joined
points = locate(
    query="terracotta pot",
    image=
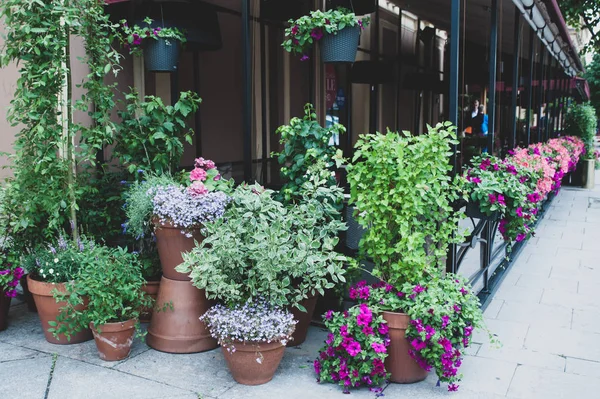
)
(4, 308)
(114, 340)
(304, 319)
(151, 289)
(243, 365)
(175, 326)
(27, 294)
(171, 244)
(403, 368)
(48, 310)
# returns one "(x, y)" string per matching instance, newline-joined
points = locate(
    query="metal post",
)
(399, 70)
(493, 69)
(418, 92)
(515, 82)
(197, 116)
(540, 93)
(263, 99)
(548, 127)
(247, 83)
(374, 87)
(530, 86)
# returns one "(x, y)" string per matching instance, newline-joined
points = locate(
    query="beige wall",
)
(8, 81)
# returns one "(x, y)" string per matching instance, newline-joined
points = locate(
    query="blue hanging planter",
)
(342, 47)
(161, 55)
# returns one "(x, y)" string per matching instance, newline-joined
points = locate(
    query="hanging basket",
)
(161, 55)
(340, 48)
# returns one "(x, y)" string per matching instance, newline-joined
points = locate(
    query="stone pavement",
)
(546, 314)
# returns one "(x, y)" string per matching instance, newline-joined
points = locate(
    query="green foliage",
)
(111, 280)
(304, 31)
(151, 136)
(133, 37)
(402, 191)
(592, 74)
(584, 14)
(261, 249)
(581, 122)
(304, 143)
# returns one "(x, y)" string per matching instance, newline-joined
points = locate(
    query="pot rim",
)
(396, 320)
(114, 327)
(168, 224)
(43, 288)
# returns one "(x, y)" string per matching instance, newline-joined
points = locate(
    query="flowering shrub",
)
(307, 30)
(9, 274)
(580, 121)
(133, 37)
(355, 349)
(205, 178)
(254, 322)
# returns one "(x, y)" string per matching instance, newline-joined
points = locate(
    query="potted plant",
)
(253, 336)
(160, 45)
(408, 213)
(52, 270)
(338, 32)
(580, 121)
(111, 282)
(152, 273)
(263, 249)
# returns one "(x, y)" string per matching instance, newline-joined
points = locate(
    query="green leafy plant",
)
(581, 122)
(304, 143)
(151, 135)
(132, 37)
(403, 194)
(307, 30)
(261, 249)
(111, 282)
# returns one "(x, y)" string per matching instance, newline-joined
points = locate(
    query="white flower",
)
(41, 271)
(51, 271)
(55, 260)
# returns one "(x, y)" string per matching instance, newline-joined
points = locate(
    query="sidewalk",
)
(546, 314)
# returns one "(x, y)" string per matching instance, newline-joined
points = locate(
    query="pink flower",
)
(364, 293)
(367, 330)
(198, 174)
(400, 294)
(295, 29)
(197, 188)
(330, 339)
(456, 308)
(520, 237)
(430, 331)
(485, 164)
(418, 344)
(365, 316)
(217, 177)
(353, 348)
(317, 366)
(501, 200)
(493, 199)
(329, 315)
(418, 289)
(378, 348)
(445, 321)
(383, 329)
(463, 291)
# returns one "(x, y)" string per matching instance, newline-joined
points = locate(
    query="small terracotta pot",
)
(4, 308)
(49, 309)
(151, 289)
(114, 340)
(175, 326)
(27, 294)
(243, 365)
(303, 319)
(403, 368)
(171, 244)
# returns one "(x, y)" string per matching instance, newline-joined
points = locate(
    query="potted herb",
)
(253, 336)
(111, 283)
(338, 32)
(407, 211)
(160, 45)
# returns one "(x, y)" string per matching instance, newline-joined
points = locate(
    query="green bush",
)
(581, 122)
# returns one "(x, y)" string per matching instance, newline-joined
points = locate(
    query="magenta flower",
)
(452, 387)
(295, 30)
(520, 237)
(400, 294)
(344, 330)
(418, 344)
(496, 167)
(501, 200)
(304, 57)
(485, 164)
(367, 330)
(365, 316)
(329, 315)
(383, 329)
(316, 33)
(197, 188)
(456, 308)
(198, 174)
(492, 198)
(418, 289)
(522, 179)
(364, 292)
(430, 332)
(378, 348)
(360, 23)
(445, 321)
(463, 291)
(353, 348)
(317, 366)
(330, 339)
(519, 211)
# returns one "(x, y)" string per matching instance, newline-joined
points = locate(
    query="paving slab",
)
(25, 378)
(533, 382)
(564, 342)
(582, 367)
(537, 314)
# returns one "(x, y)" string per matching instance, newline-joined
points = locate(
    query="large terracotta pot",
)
(48, 310)
(151, 289)
(4, 308)
(171, 244)
(175, 326)
(27, 294)
(403, 368)
(243, 365)
(303, 319)
(114, 340)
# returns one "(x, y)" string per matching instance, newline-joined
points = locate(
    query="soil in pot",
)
(151, 289)
(403, 368)
(48, 310)
(303, 319)
(114, 340)
(171, 244)
(175, 326)
(27, 294)
(243, 365)
(4, 308)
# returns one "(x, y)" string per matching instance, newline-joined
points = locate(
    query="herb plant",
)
(309, 29)
(132, 37)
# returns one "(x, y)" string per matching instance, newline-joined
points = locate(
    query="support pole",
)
(540, 92)
(550, 75)
(418, 92)
(263, 100)
(512, 143)
(493, 69)
(530, 86)
(197, 115)
(374, 87)
(247, 83)
(399, 70)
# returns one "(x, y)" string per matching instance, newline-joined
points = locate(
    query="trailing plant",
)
(403, 194)
(151, 135)
(10, 272)
(305, 142)
(253, 322)
(261, 249)
(133, 37)
(580, 121)
(309, 29)
(45, 192)
(355, 349)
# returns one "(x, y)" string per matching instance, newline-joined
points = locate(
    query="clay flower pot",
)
(175, 326)
(27, 294)
(4, 308)
(114, 340)
(49, 309)
(171, 244)
(303, 319)
(403, 368)
(151, 289)
(243, 365)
